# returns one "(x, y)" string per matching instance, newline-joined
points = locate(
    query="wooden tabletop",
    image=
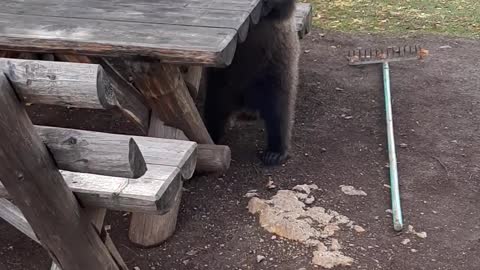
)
(200, 32)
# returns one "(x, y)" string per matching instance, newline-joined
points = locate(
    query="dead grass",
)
(448, 17)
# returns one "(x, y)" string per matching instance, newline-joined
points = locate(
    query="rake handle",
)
(394, 186)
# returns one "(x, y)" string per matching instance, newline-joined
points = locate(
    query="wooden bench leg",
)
(151, 230)
(167, 93)
(97, 216)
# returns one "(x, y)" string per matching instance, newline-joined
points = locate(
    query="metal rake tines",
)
(388, 53)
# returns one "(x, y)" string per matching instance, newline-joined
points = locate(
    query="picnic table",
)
(158, 47)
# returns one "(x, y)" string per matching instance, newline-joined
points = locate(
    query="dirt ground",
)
(436, 114)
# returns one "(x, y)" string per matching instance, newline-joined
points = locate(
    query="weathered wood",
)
(95, 153)
(11, 214)
(74, 85)
(148, 194)
(165, 90)
(30, 176)
(171, 14)
(167, 161)
(150, 230)
(211, 158)
(303, 18)
(192, 76)
(170, 43)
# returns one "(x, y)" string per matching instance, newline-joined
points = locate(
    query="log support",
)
(40, 192)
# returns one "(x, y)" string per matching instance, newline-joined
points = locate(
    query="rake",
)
(384, 57)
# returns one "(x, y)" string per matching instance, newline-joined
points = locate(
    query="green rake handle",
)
(394, 187)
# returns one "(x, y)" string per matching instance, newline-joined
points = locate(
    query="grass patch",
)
(449, 17)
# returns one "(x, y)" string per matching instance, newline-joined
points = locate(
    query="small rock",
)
(270, 184)
(274, 237)
(250, 194)
(445, 47)
(185, 262)
(323, 150)
(306, 51)
(335, 245)
(192, 252)
(339, 89)
(403, 145)
(422, 235)
(358, 229)
(309, 200)
(260, 258)
(350, 190)
(414, 250)
(406, 241)
(305, 188)
(108, 227)
(136, 268)
(389, 211)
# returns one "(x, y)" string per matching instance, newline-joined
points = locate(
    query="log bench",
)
(137, 174)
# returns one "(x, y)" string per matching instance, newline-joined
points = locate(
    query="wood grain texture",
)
(145, 194)
(147, 230)
(38, 189)
(192, 76)
(95, 153)
(211, 158)
(74, 85)
(151, 193)
(200, 32)
(150, 230)
(169, 14)
(170, 43)
(11, 214)
(303, 18)
(166, 92)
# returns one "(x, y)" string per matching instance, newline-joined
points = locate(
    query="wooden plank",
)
(38, 189)
(172, 13)
(229, 5)
(235, 15)
(145, 194)
(11, 214)
(157, 151)
(167, 161)
(211, 158)
(74, 85)
(96, 153)
(303, 18)
(170, 43)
